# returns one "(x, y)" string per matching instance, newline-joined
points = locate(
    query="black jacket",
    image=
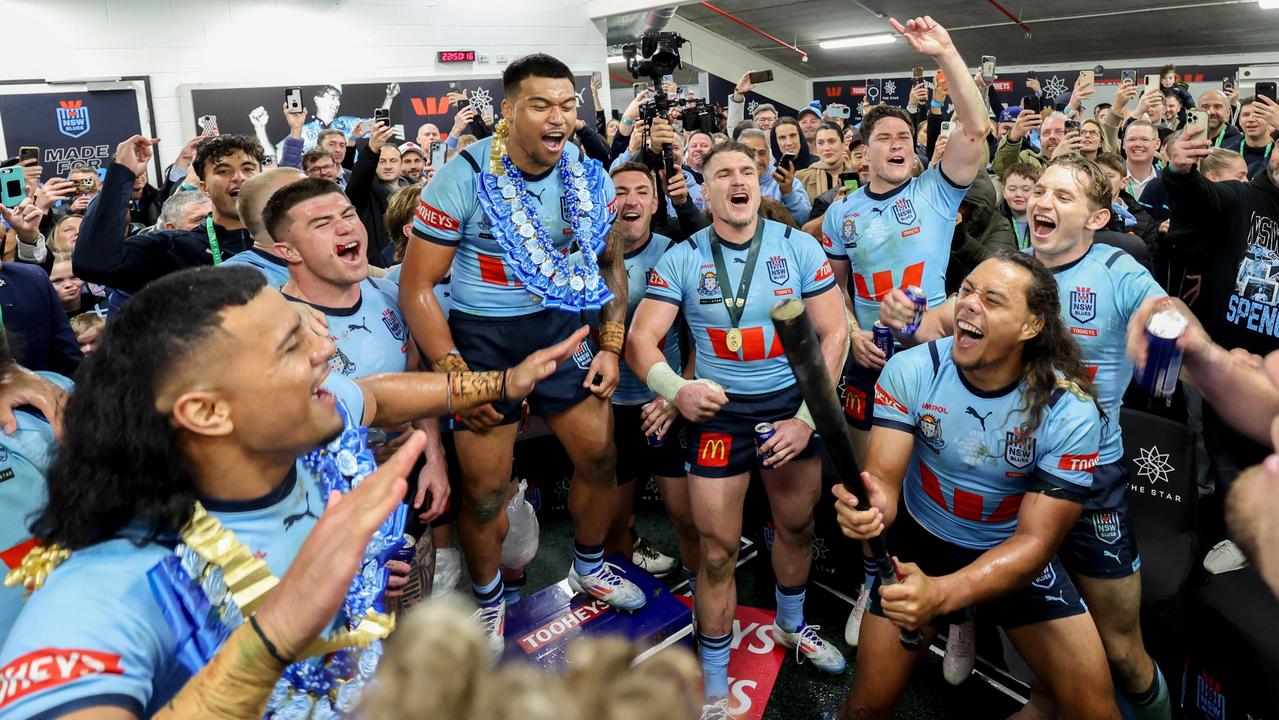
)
(371, 196)
(104, 254)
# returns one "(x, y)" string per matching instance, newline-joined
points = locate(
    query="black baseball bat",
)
(804, 352)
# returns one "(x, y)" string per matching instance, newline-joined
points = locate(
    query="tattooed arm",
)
(604, 373)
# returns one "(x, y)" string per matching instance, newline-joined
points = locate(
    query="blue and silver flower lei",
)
(531, 254)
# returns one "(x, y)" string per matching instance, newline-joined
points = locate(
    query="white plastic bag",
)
(521, 540)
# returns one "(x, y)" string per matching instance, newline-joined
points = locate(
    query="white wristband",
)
(804, 416)
(666, 382)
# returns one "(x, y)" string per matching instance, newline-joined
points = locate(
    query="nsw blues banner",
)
(69, 127)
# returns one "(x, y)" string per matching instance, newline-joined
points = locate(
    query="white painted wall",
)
(282, 42)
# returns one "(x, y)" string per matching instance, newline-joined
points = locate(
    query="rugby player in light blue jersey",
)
(1100, 289)
(220, 404)
(499, 218)
(895, 231)
(637, 411)
(991, 440)
(724, 280)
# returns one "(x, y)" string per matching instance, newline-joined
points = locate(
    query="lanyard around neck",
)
(214, 249)
(1269, 146)
(735, 305)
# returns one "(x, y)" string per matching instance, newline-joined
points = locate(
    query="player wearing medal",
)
(724, 279)
(501, 216)
(992, 440)
(896, 230)
(1100, 288)
(220, 407)
(637, 413)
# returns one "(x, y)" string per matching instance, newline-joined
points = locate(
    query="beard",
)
(738, 223)
(1272, 170)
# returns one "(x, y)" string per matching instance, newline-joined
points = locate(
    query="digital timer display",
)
(456, 56)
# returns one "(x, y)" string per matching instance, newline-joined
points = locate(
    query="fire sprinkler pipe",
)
(1025, 28)
(803, 55)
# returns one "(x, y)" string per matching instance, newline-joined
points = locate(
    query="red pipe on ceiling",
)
(748, 26)
(1012, 17)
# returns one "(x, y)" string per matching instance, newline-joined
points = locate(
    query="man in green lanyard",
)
(1220, 132)
(105, 255)
(1258, 117)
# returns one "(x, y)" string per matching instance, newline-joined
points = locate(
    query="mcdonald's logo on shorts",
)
(713, 449)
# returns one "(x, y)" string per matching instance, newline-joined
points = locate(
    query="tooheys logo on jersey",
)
(823, 272)
(655, 280)
(1078, 463)
(883, 398)
(51, 667)
(1083, 304)
(437, 219)
(1020, 449)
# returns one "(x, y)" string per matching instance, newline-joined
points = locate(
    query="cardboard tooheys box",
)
(541, 626)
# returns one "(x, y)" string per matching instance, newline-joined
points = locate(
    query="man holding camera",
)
(504, 235)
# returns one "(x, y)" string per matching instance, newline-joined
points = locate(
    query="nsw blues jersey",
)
(1099, 292)
(894, 240)
(449, 213)
(273, 267)
(24, 463)
(630, 389)
(790, 264)
(443, 289)
(973, 458)
(371, 336)
(94, 634)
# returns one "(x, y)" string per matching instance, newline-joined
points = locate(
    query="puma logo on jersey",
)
(1109, 554)
(362, 326)
(980, 418)
(290, 520)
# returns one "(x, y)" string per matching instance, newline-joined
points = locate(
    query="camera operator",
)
(680, 215)
(695, 148)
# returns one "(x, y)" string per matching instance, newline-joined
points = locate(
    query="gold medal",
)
(734, 340)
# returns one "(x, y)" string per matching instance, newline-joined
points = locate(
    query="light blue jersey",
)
(790, 264)
(1099, 293)
(24, 464)
(894, 240)
(974, 459)
(630, 389)
(273, 267)
(371, 336)
(449, 213)
(95, 635)
(443, 289)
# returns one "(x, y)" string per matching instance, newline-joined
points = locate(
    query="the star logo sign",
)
(1153, 464)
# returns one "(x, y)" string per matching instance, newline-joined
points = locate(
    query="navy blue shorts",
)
(636, 459)
(857, 393)
(497, 343)
(724, 445)
(1050, 596)
(1102, 543)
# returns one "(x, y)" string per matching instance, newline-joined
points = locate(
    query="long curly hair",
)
(120, 460)
(1052, 358)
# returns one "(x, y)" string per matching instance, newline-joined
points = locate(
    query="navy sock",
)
(790, 607)
(513, 589)
(713, 651)
(690, 576)
(490, 593)
(587, 558)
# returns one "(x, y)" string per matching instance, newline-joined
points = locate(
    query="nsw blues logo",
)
(73, 118)
(1046, 579)
(391, 319)
(1019, 450)
(1083, 304)
(777, 271)
(1106, 527)
(708, 285)
(904, 211)
(929, 426)
(582, 356)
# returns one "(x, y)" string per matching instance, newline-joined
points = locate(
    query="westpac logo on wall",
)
(73, 118)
